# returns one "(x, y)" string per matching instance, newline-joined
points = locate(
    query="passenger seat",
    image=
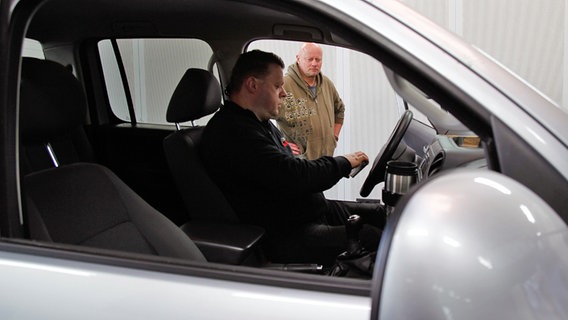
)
(86, 204)
(52, 117)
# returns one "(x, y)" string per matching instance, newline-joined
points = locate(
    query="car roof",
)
(213, 19)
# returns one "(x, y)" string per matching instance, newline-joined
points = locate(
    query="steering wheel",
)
(377, 173)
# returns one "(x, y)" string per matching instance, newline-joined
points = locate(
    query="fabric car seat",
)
(67, 200)
(86, 204)
(52, 117)
(197, 95)
(213, 224)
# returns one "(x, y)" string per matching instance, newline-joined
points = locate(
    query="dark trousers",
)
(322, 241)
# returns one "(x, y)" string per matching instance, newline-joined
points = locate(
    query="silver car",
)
(98, 221)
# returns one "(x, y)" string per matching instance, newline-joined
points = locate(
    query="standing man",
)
(312, 113)
(266, 185)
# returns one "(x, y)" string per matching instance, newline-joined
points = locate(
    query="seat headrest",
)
(52, 101)
(197, 94)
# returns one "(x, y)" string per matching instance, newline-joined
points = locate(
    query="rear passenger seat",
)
(52, 117)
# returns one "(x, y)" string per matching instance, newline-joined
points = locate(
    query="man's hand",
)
(356, 158)
(336, 130)
(294, 147)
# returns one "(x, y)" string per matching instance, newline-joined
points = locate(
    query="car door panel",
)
(102, 291)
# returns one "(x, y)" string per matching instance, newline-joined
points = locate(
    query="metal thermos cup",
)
(399, 177)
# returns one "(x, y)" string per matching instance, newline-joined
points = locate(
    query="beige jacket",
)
(309, 120)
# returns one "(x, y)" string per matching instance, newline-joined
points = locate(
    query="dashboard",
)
(447, 152)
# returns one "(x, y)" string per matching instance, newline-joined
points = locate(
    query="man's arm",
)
(336, 130)
(339, 112)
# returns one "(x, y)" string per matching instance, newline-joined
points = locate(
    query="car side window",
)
(33, 49)
(153, 68)
(371, 108)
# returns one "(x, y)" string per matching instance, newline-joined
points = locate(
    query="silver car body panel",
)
(475, 244)
(66, 289)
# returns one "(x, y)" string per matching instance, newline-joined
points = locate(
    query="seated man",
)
(266, 184)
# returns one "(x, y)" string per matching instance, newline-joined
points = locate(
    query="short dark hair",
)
(253, 63)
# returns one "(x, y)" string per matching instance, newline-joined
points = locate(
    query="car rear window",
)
(153, 68)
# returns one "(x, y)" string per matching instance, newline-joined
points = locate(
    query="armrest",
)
(224, 243)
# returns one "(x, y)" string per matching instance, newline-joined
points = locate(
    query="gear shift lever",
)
(353, 227)
(356, 261)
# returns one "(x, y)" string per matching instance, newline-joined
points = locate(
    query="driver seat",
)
(213, 224)
(198, 94)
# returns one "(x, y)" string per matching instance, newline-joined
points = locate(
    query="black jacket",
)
(263, 181)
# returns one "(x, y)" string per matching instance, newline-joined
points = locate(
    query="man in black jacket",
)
(265, 183)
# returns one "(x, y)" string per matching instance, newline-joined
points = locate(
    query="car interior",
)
(69, 138)
(53, 111)
(94, 179)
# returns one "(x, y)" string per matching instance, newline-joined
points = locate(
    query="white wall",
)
(527, 36)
